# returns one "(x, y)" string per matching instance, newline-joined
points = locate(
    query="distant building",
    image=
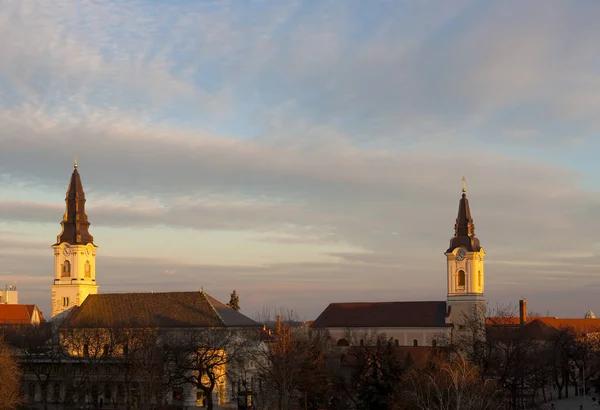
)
(15, 314)
(419, 323)
(9, 295)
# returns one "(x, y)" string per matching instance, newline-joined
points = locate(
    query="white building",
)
(9, 295)
(419, 323)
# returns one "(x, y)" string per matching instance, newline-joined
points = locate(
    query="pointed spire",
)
(75, 223)
(464, 228)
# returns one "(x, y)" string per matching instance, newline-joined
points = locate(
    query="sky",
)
(305, 152)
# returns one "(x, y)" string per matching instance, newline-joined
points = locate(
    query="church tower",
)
(74, 253)
(465, 258)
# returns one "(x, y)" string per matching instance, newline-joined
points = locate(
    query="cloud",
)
(305, 126)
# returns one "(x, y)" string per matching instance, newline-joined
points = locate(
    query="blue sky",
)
(304, 152)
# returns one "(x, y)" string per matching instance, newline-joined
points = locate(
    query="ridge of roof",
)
(212, 306)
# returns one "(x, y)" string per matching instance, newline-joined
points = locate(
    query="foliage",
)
(234, 301)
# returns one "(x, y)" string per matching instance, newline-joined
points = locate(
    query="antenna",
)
(464, 184)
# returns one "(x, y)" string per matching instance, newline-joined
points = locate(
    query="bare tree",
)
(10, 378)
(437, 384)
(200, 357)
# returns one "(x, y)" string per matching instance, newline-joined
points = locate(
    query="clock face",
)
(460, 254)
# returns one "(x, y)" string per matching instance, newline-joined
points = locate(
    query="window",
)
(396, 342)
(86, 350)
(479, 278)
(461, 278)
(66, 269)
(343, 342)
(88, 269)
(105, 350)
(65, 301)
(125, 349)
(31, 391)
(415, 342)
(362, 342)
(434, 343)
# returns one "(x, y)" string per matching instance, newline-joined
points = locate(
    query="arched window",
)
(362, 342)
(415, 342)
(65, 301)
(88, 269)
(461, 278)
(396, 342)
(479, 277)
(66, 269)
(343, 342)
(434, 343)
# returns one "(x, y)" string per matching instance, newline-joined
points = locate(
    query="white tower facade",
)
(465, 267)
(74, 253)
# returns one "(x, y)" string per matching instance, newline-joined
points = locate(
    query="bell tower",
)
(465, 259)
(74, 252)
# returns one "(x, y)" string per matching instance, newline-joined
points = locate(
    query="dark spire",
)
(464, 228)
(75, 223)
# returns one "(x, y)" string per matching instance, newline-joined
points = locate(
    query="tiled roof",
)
(579, 325)
(167, 310)
(17, 314)
(383, 314)
(539, 328)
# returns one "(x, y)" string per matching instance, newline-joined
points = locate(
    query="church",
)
(78, 309)
(419, 323)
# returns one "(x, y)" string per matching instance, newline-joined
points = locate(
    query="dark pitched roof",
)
(75, 223)
(174, 309)
(383, 314)
(464, 228)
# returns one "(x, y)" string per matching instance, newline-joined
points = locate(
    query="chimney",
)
(522, 311)
(278, 325)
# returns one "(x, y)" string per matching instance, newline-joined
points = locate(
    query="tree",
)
(10, 379)
(38, 350)
(234, 301)
(369, 372)
(200, 357)
(437, 383)
(292, 366)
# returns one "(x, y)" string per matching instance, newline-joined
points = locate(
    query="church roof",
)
(464, 228)
(75, 224)
(383, 314)
(150, 310)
